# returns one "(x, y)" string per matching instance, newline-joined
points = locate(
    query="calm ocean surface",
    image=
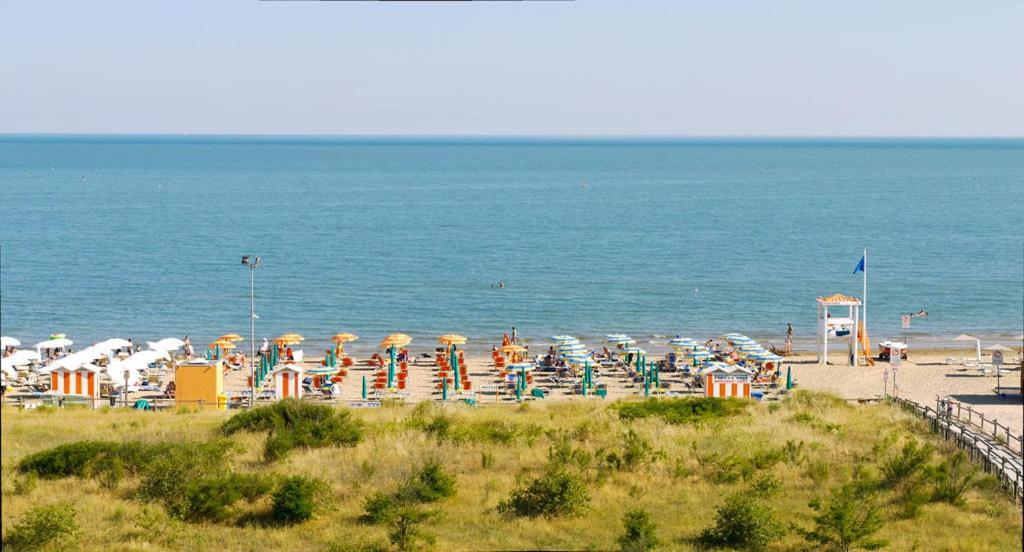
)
(141, 236)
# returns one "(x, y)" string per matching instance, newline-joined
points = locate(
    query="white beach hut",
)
(79, 379)
(723, 381)
(288, 381)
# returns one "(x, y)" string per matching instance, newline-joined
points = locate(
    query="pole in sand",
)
(253, 265)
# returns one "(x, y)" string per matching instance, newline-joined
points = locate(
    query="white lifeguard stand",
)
(838, 328)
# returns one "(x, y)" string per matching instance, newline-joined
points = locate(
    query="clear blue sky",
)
(620, 67)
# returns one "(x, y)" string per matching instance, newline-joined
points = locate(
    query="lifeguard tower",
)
(838, 328)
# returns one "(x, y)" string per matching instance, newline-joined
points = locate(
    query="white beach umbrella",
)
(620, 339)
(977, 342)
(113, 344)
(578, 359)
(166, 344)
(21, 358)
(6, 341)
(54, 343)
(698, 353)
(683, 342)
(564, 339)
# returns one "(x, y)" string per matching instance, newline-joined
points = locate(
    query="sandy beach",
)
(922, 378)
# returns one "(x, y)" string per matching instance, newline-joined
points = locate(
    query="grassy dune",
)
(810, 443)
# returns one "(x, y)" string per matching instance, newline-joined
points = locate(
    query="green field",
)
(676, 461)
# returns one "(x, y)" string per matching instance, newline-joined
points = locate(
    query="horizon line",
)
(514, 136)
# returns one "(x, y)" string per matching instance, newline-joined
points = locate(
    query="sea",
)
(142, 237)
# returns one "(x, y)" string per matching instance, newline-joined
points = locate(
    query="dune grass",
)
(666, 460)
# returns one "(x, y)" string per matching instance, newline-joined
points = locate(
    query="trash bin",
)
(113, 399)
(222, 402)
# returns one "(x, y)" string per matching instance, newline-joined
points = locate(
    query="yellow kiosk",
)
(199, 380)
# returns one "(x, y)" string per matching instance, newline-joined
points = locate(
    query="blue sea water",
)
(136, 236)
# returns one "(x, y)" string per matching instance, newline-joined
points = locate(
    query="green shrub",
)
(379, 508)
(681, 411)
(767, 485)
(636, 451)
(743, 522)
(167, 478)
(25, 484)
(953, 478)
(296, 424)
(298, 499)
(562, 454)
(213, 499)
(847, 520)
(430, 484)
(556, 493)
(486, 459)
(42, 526)
(911, 462)
(404, 530)
(639, 534)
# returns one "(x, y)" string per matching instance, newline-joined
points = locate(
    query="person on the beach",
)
(289, 354)
(264, 348)
(789, 339)
(515, 336)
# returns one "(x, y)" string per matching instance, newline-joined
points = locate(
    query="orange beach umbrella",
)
(231, 337)
(452, 339)
(344, 337)
(395, 340)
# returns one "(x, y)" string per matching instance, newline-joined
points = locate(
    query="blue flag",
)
(860, 266)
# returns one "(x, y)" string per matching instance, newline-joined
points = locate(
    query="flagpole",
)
(864, 314)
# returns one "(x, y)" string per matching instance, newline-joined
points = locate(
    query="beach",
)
(922, 378)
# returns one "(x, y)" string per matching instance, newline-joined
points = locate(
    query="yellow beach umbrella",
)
(344, 337)
(223, 344)
(293, 336)
(509, 349)
(452, 339)
(231, 337)
(289, 339)
(395, 340)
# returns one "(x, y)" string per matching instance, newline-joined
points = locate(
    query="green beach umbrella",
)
(789, 377)
(455, 367)
(364, 387)
(393, 353)
(444, 389)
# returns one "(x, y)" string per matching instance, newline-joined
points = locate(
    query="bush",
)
(212, 499)
(299, 499)
(681, 411)
(379, 508)
(562, 453)
(556, 493)
(639, 534)
(404, 527)
(430, 484)
(293, 424)
(167, 479)
(42, 526)
(87, 458)
(911, 462)
(743, 522)
(847, 520)
(953, 478)
(636, 451)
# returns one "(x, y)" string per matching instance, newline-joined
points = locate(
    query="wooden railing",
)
(964, 413)
(995, 456)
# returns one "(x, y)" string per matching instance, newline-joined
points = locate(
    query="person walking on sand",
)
(187, 345)
(264, 348)
(789, 339)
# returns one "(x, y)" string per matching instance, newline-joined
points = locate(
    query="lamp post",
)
(253, 265)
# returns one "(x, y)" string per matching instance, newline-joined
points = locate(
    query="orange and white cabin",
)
(724, 381)
(288, 382)
(83, 380)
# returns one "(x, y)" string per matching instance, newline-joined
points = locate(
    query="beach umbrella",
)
(559, 339)
(395, 340)
(231, 337)
(634, 351)
(619, 339)
(294, 336)
(577, 359)
(344, 337)
(454, 360)
(392, 354)
(511, 349)
(977, 342)
(288, 339)
(166, 344)
(698, 353)
(682, 342)
(321, 371)
(54, 343)
(452, 339)
(521, 366)
(444, 390)
(21, 358)
(6, 341)
(364, 387)
(789, 377)
(223, 344)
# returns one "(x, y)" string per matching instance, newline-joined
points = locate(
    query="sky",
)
(570, 68)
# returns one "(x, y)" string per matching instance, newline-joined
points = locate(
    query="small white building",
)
(841, 324)
(287, 381)
(723, 381)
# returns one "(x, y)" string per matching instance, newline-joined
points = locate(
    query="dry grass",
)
(680, 488)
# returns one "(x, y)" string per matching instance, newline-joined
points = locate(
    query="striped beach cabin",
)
(83, 380)
(723, 381)
(288, 382)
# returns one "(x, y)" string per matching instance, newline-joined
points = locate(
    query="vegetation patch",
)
(43, 526)
(294, 424)
(681, 411)
(557, 493)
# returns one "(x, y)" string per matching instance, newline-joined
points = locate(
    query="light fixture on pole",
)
(253, 264)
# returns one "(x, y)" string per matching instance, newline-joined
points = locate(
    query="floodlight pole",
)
(252, 326)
